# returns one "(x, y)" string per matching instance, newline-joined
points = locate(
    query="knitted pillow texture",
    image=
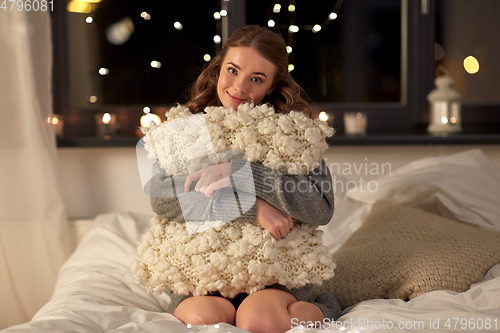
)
(403, 252)
(232, 257)
(290, 143)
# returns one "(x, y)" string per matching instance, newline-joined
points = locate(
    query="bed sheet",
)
(96, 292)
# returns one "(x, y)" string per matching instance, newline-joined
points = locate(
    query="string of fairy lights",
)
(291, 28)
(118, 33)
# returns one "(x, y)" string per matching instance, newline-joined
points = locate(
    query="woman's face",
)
(245, 76)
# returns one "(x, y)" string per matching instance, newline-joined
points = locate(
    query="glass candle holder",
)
(327, 118)
(106, 125)
(355, 123)
(57, 120)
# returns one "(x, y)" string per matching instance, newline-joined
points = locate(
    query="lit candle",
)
(147, 118)
(355, 123)
(106, 118)
(57, 120)
(445, 107)
(326, 118)
(106, 125)
(323, 116)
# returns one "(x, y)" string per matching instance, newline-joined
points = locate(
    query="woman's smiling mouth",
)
(235, 99)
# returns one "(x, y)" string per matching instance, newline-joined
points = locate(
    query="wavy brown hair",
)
(287, 95)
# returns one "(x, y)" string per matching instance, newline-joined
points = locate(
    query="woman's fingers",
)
(278, 223)
(287, 225)
(209, 179)
(191, 178)
(209, 190)
(200, 184)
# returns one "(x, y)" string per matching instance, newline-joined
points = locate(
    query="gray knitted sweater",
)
(307, 198)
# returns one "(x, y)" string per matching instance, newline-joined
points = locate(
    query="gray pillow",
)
(403, 252)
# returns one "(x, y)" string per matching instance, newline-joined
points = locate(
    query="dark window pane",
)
(353, 58)
(125, 43)
(468, 28)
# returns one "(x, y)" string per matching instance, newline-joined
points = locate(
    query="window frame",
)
(409, 117)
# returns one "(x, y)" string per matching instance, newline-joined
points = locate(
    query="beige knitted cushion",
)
(403, 252)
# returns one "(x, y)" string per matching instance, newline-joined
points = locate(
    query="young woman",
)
(253, 67)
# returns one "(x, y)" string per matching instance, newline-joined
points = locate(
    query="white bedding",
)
(95, 291)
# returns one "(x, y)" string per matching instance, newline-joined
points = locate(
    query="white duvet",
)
(96, 291)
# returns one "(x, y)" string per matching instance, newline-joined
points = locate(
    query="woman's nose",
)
(240, 84)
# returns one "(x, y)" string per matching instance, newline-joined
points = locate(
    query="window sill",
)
(90, 141)
(341, 139)
(470, 135)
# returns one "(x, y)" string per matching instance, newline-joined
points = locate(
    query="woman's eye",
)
(232, 71)
(256, 79)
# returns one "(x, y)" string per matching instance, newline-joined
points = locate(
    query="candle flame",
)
(323, 116)
(106, 118)
(148, 118)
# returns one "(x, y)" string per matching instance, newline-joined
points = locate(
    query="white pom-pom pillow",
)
(232, 257)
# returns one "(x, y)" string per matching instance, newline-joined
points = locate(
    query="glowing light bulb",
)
(146, 16)
(207, 57)
(217, 39)
(103, 71)
(332, 16)
(277, 8)
(89, 19)
(293, 28)
(146, 109)
(316, 28)
(291, 8)
(471, 65)
(289, 49)
(217, 15)
(119, 33)
(93, 99)
(444, 120)
(178, 25)
(271, 23)
(79, 7)
(291, 67)
(223, 12)
(155, 64)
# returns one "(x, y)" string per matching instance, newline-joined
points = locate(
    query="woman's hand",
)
(211, 178)
(273, 220)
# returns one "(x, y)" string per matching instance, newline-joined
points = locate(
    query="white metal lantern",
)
(445, 107)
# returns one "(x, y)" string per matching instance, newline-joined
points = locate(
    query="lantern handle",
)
(441, 68)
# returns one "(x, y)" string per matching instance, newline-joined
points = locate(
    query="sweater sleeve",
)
(308, 198)
(168, 200)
